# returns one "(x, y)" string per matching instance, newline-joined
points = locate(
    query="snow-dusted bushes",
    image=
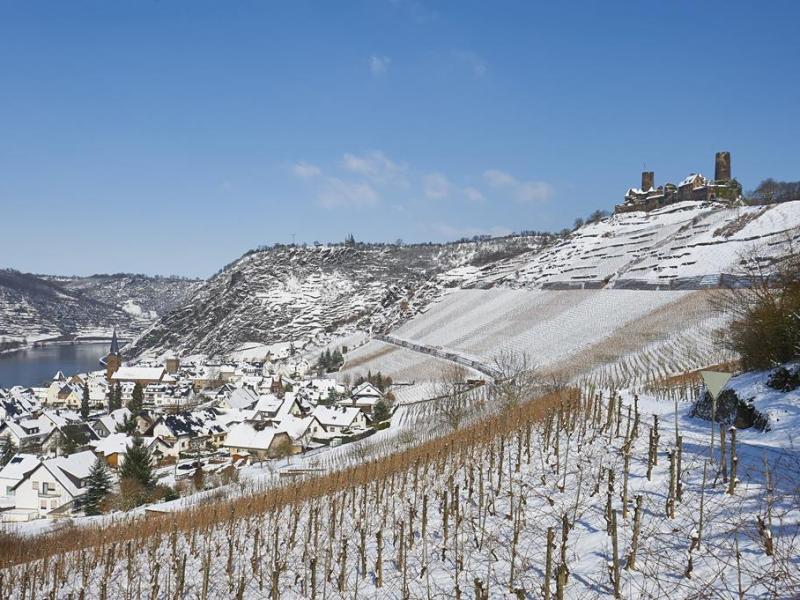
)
(731, 411)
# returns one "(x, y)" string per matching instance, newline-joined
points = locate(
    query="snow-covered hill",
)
(294, 293)
(688, 245)
(38, 307)
(307, 294)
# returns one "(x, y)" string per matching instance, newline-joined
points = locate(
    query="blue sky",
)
(170, 137)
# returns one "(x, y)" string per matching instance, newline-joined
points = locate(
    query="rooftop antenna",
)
(293, 239)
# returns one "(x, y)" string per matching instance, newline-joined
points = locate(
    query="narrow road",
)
(485, 369)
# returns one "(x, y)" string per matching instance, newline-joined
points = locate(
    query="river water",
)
(38, 365)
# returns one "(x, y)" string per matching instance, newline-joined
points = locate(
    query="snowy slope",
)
(39, 306)
(683, 246)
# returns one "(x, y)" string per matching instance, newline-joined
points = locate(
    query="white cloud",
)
(437, 186)
(305, 170)
(376, 167)
(378, 65)
(476, 63)
(339, 193)
(474, 194)
(526, 192)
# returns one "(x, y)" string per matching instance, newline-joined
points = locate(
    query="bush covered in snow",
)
(731, 410)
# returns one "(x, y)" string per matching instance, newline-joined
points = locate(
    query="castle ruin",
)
(695, 188)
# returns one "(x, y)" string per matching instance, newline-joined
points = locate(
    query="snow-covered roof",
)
(297, 427)
(70, 470)
(242, 398)
(366, 390)
(691, 179)
(61, 418)
(19, 466)
(118, 443)
(138, 374)
(114, 418)
(197, 423)
(245, 435)
(338, 416)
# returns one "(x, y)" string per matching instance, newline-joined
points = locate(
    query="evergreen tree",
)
(98, 487)
(117, 397)
(137, 399)
(137, 464)
(110, 398)
(127, 426)
(381, 411)
(9, 451)
(85, 402)
(337, 359)
(66, 445)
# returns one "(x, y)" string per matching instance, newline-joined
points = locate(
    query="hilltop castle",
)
(695, 188)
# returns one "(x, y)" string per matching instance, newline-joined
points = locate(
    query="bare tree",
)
(450, 391)
(517, 382)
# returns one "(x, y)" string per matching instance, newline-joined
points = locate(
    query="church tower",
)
(113, 360)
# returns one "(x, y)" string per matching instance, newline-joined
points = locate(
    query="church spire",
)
(114, 344)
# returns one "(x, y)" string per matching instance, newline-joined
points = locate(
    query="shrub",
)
(765, 329)
(731, 410)
(784, 380)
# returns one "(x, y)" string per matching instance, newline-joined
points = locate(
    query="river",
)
(36, 365)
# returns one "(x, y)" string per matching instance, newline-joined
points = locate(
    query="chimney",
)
(648, 177)
(722, 166)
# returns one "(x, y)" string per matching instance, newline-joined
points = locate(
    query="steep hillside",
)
(294, 293)
(302, 294)
(143, 298)
(687, 245)
(37, 307)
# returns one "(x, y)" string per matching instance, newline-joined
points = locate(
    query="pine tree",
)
(137, 399)
(137, 464)
(9, 451)
(117, 397)
(98, 487)
(128, 425)
(381, 411)
(85, 402)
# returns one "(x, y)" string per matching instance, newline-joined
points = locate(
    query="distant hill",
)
(36, 306)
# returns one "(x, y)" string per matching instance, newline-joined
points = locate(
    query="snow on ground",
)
(487, 508)
(401, 364)
(546, 325)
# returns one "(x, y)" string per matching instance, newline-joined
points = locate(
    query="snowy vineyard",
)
(564, 497)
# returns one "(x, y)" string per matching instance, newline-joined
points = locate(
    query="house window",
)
(43, 505)
(35, 485)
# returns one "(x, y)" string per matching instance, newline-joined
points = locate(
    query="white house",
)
(302, 430)
(336, 419)
(271, 407)
(189, 431)
(15, 471)
(257, 440)
(240, 399)
(107, 424)
(114, 448)
(365, 397)
(52, 487)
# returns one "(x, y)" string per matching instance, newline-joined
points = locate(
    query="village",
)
(196, 422)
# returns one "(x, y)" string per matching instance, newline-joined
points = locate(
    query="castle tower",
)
(113, 361)
(648, 180)
(722, 166)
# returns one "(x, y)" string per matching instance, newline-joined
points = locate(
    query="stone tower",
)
(113, 359)
(648, 179)
(722, 166)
